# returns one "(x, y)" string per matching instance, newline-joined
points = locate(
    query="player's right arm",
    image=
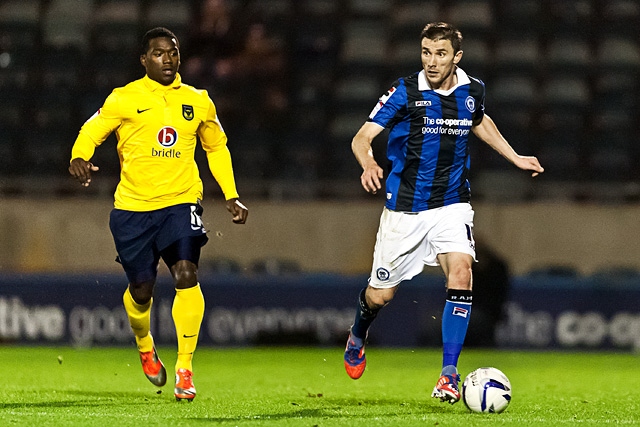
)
(92, 134)
(371, 178)
(388, 109)
(81, 170)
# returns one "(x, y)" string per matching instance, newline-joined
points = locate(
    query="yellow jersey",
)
(157, 128)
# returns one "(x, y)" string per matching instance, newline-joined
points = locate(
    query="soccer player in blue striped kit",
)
(428, 218)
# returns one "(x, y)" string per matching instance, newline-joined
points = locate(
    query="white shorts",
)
(406, 241)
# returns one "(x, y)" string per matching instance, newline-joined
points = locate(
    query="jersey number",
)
(196, 221)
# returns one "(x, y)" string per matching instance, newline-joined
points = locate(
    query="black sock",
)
(364, 316)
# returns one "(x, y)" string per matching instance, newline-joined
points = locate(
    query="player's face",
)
(162, 60)
(439, 62)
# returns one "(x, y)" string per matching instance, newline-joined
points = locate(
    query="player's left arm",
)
(488, 132)
(214, 143)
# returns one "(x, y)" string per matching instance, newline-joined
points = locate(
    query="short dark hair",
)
(154, 33)
(443, 31)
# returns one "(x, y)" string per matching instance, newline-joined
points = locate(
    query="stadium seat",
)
(517, 53)
(60, 66)
(344, 125)
(575, 16)
(559, 93)
(474, 18)
(17, 68)
(54, 106)
(116, 26)
(276, 15)
(362, 43)
(19, 25)
(413, 15)
(356, 91)
(569, 55)
(90, 101)
(611, 159)
(511, 101)
(175, 15)
(18, 36)
(66, 23)
(618, 88)
(47, 150)
(9, 150)
(621, 16)
(301, 156)
(612, 152)
(368, 8)
(319, 8)
(616, 53)
(513, 91)
(113, 69)
(342, 128)
(21, 11)
(563, 154)
(270, 8)
(476, 57)
(520, 15)
(404, 58)
(252, 152)
(315, 45)
(13, 104)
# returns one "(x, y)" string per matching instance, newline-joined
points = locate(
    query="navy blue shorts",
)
(174, 233)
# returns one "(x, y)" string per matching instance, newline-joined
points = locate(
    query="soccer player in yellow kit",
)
(158, 121)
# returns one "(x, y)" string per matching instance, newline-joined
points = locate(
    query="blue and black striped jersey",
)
(428, 140)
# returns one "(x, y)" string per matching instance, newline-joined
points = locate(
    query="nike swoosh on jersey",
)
(142, 111)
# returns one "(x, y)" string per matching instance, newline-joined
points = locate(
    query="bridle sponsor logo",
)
(167, 137)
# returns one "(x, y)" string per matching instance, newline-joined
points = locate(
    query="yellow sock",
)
(187, 312)
(140, 321)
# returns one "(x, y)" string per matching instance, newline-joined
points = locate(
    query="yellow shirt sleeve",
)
(214, 143)
(97, 129)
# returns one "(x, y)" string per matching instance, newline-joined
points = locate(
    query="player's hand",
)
(238, 210)
(371, 178)
(81, 170)
(529, 163)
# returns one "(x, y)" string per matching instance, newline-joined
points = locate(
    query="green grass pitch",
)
(63, 386)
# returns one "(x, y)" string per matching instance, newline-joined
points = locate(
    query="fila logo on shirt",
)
(167, 138)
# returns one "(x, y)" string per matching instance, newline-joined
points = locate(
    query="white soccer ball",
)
(486, 390)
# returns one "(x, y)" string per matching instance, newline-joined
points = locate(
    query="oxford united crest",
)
(187, 112)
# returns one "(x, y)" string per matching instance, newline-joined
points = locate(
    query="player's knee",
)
(460, 278)
(185, 275)
(141, 292)
(379, 298)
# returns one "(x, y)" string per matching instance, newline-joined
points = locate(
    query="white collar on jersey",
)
(423, 83)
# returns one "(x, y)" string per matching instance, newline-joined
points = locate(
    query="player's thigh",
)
(452, 232)
(397, 254)
(457, 269)
(185, 249)
(181, 233)
(181, 222)
(134, 237)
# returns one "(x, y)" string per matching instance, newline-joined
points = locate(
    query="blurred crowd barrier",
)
(72, 235)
